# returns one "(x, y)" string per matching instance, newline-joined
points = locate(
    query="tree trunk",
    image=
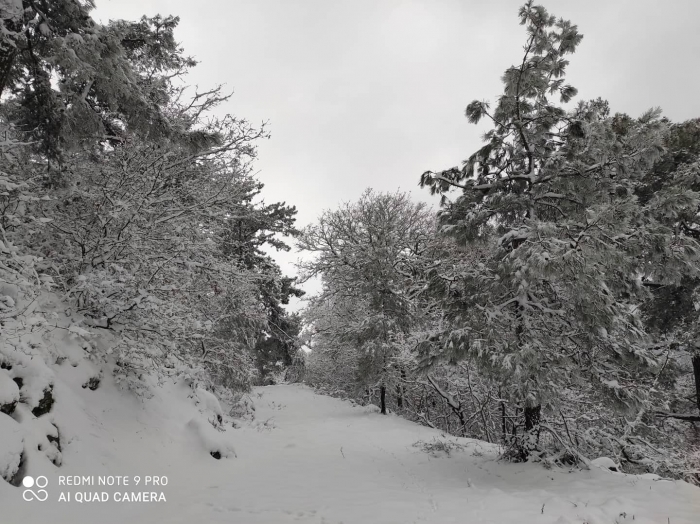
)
(532, 418)
(399, 389)
(503, 417)
(382, 398)
(696, 374)
(528, 442)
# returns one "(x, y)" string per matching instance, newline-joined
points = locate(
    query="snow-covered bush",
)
(437, 447)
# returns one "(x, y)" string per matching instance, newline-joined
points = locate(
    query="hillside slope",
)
(309, 458)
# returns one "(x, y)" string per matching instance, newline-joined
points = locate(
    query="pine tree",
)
(671, 313)
(549, 201)
(68, 81)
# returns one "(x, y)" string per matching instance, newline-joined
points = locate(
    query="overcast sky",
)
(371, 93)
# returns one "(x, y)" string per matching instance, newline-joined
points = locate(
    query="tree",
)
(553, 302)
(368, 254)
(671, 313)
(70, 82)
(123, 191)
(254, 226)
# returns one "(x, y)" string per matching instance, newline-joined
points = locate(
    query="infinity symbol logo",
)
(41, 482)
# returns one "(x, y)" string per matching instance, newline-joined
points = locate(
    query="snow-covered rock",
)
(36, 377)
(209, 402)
(9, 393)
(11, 446)
(210, 439)
(606, 463)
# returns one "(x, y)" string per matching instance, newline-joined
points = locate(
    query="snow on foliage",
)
(209, 402)
(544, 312)
(9, 392)
(132, 234)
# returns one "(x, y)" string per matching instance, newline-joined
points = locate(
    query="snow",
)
(311, 459)
(36, 375)
(605, 463)
(9, 392)
(36, 432)
(208, 439)
(282, 454)
(209, 402)
(10, 446)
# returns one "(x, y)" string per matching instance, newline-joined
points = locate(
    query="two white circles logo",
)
(40, 482)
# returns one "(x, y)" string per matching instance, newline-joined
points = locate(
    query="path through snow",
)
(314, 459)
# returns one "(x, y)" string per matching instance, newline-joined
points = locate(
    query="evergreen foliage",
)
(552, 192)
(557, 300)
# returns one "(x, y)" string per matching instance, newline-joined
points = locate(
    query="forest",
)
(549, 305)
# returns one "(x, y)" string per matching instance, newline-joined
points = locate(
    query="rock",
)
(92, 384)
(8, 408)
(9, 394)
(55, 440)
(11, 447)
(606, 463)
(45, 404)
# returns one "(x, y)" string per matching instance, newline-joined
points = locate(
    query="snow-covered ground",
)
(310, 458)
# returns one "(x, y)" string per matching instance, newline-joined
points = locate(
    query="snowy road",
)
(309, 458)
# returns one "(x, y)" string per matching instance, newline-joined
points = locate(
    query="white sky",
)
(371, 93)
